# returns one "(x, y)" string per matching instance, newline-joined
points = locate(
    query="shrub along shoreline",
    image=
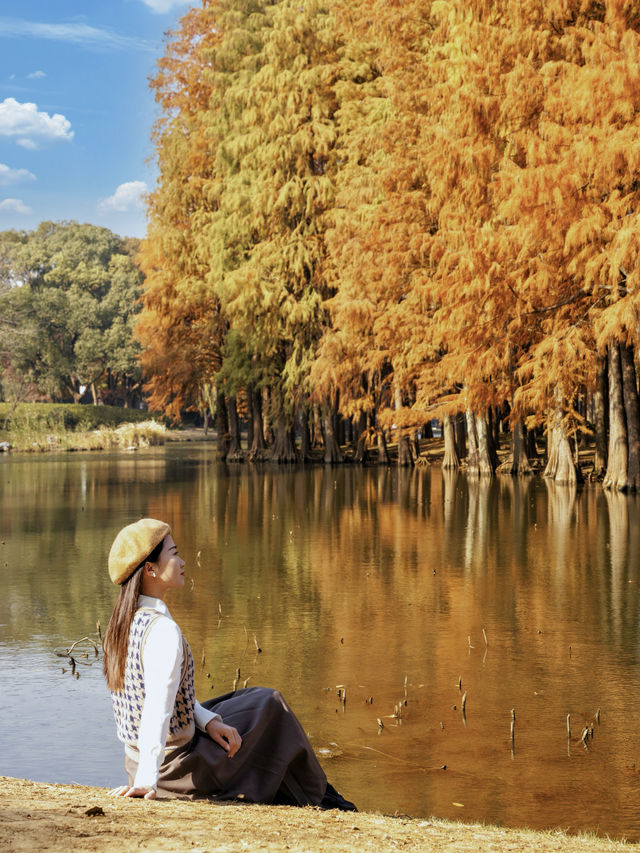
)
(55, 427)
(70, 427)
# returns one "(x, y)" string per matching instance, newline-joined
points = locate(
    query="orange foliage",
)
(180, 325)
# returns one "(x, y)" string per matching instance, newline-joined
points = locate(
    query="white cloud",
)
(27, 143)
(29, 126)
(13, 176)
(76, 33)
(36, 75)
(14, 205)
(163, 6)
(126, 197)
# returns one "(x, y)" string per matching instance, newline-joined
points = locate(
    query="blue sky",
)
(76, 110)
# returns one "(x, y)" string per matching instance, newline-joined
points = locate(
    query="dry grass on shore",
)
(36, 816)
(124, 437)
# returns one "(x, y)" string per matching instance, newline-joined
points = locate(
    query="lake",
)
(368, 596)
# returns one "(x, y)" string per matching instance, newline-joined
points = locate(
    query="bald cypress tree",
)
(274, 185)
(181, 326)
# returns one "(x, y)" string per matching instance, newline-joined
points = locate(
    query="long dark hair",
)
(116, 637)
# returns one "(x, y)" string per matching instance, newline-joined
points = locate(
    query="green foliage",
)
(68, 416)
(52, 427)
(69, 295)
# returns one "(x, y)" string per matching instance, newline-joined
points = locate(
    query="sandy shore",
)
(39, 817)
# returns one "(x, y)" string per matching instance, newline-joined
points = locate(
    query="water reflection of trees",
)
(355, 576)
(58, 518)
(514, 538)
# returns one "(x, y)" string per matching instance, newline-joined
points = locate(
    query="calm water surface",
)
(376, 582)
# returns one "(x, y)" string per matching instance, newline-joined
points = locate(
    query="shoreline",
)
(431, 450)
(41, 816)
(141, 436)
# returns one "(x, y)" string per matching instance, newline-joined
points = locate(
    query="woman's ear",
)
(150, 569)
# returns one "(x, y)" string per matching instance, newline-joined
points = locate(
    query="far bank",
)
(67, 428)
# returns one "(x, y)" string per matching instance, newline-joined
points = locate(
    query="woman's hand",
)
(226, 736)
(126, 791)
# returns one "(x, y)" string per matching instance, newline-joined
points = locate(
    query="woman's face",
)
(169, 568)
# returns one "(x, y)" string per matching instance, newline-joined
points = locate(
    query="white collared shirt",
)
(162, 663)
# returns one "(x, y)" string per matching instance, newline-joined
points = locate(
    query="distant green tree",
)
(69, 294)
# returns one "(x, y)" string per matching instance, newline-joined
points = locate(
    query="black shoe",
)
(333, 800)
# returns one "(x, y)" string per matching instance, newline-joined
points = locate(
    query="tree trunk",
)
(267, 432)
(472, 438)
(283, 449)
(305, 434)
(129, 391)
(348, 432)
(427, 430)
(257, 450)
(234, 451)
(222, 427)
(362, 433)
(617, 457)
(317, 438)
(405, 457)
(632, 413)
(601, 425)
(482, 461)
(383, 452)
(414, 445)
(249, 421)
(495, 426)
(338, 430)
(460, 433)
(74, 390)
(332, 452)
(561, 467)
(519, 464)
(450, 460)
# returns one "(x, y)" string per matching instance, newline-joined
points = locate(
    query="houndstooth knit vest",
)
(127, 703)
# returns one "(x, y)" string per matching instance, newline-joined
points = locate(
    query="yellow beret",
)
(133, 544)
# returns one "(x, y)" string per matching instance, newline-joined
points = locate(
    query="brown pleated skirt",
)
(275, 764)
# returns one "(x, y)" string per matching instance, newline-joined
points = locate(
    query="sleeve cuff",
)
(203, 716)
(146, 778)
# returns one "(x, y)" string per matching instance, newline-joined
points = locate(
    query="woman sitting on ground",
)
(246, 745)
